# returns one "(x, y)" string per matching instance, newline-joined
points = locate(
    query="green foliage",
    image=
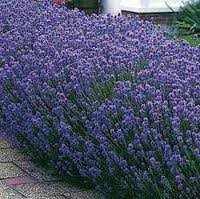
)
(89, 6)
(192, 40)
(189, 17)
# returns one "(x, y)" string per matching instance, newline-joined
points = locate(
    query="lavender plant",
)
(110, 99)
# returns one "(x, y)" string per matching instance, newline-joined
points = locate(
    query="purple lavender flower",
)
(111, 99)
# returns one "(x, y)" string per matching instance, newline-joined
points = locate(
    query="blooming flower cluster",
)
(109, 98)
(61, 1)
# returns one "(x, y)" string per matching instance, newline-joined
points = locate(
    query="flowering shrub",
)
(61, 1)
(109, 99)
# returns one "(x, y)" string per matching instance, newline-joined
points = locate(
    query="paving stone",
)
(4, 143)
(10, 194)
(16, 184)
(8, 170)
(2, 185)
(37, 190)
(33, 171)
(74, 192)
(51, 197)
(67, 187)
(10, 154)
(82, 195)
(12, 182)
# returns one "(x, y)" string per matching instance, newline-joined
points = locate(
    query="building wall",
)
(167, 18)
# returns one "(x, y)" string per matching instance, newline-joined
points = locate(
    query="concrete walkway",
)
(20, 179)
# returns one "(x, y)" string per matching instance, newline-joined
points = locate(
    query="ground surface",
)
(19, 179)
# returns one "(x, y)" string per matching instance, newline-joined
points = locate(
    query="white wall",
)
(151, 5)
(111, 6)
(115, 6)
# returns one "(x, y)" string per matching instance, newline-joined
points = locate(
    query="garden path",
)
(20, 179)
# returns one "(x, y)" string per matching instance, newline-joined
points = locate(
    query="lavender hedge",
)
(110, 99)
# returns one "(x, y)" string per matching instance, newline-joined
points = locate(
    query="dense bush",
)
(189, 17)
(107, 98)
(194, 40)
